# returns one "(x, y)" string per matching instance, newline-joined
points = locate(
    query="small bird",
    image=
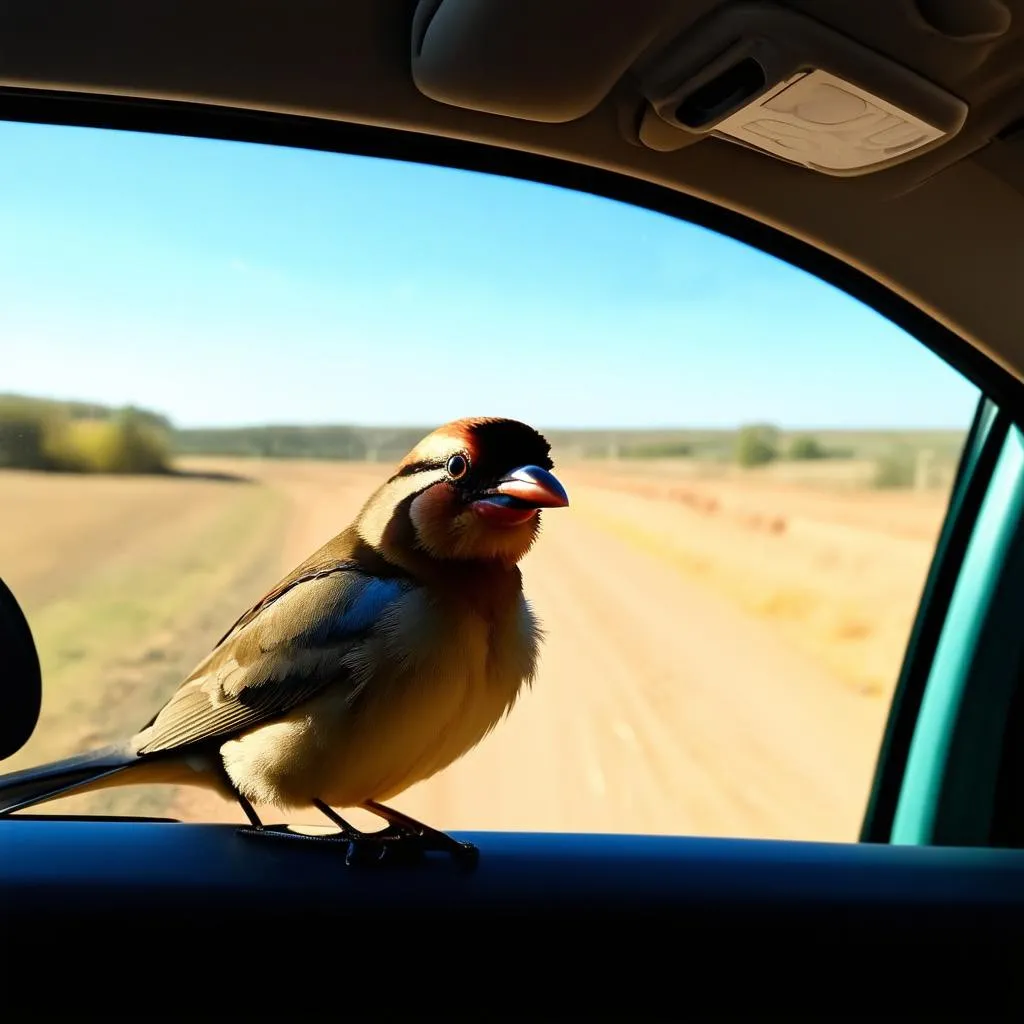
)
(379, 661)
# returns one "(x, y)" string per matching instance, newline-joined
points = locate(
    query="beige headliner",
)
(950, 238)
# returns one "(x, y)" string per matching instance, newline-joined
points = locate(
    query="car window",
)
(214, 352)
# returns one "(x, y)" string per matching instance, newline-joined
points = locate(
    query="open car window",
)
(214, 352)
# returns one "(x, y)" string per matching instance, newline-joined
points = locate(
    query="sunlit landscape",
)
(722, 642)
(213, 352)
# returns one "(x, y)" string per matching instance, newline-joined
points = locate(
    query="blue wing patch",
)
(358, 611)
(367, 605)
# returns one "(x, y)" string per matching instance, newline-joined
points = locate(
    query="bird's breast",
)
(450, 672)
(434, 676)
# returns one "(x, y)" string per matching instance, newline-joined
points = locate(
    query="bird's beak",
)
(534, 486)
(518, 495)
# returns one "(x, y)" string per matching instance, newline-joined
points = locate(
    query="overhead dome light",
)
(827, 124)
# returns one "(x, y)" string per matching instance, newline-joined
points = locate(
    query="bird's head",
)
(471, 490)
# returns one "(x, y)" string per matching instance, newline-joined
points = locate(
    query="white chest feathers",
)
(427, 684)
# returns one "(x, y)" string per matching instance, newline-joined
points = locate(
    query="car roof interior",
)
(650, 92)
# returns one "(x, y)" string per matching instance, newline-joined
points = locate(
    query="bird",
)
(382, 659)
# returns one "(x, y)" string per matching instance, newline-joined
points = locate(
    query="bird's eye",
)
(457, 467)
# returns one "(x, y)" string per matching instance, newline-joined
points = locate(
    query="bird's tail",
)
(31, 786)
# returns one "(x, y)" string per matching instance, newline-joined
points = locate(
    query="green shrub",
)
(45, 435)
(896, 468)
(31, 431)
(757, 444)
(124, 444)
(807, 447)
(22, 440)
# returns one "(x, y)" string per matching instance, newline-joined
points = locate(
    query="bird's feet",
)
(414, 834)
(396, 845)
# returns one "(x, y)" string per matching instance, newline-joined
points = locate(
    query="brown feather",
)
(345, 551)
(268, 664)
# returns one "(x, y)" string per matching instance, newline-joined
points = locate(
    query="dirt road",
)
(660, 705)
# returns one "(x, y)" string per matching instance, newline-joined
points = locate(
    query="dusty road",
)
(660, 705)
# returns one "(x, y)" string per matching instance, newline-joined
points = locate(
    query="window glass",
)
(213, 352)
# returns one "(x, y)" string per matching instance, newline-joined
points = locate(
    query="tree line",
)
(79, 437)
(84, 437)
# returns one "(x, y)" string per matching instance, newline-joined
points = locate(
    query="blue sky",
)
(225, 283)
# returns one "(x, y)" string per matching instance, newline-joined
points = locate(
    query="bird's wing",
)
(343, 553)
(278, 655)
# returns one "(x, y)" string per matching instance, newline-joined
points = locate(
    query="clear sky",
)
(225, 283)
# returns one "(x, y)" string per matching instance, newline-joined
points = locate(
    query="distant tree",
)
(757, 444)
(81, 437)
(142, 444)
(30, 433)
(22, 440)
(807, 447)
(276, 442)
(157, 421)
(658, 450)
(124, 443)
(896, 468)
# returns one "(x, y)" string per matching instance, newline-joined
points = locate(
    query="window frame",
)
(968, 492)
(951, 777)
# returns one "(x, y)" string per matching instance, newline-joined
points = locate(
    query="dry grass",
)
(839, 572)
(126, 583)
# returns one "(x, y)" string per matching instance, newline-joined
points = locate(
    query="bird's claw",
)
(394, 845)
(386, 847)
(399, 846)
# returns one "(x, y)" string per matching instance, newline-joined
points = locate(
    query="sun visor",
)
(531, 59)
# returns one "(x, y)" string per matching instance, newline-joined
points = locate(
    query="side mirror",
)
(21, 681)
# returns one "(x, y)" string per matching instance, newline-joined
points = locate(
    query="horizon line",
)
(336, 424)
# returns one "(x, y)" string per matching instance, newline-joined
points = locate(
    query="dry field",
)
(719, 660)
